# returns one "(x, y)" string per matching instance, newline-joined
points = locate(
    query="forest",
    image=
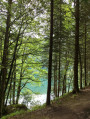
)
(43, 43)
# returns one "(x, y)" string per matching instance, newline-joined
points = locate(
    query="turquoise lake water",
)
(40, 89)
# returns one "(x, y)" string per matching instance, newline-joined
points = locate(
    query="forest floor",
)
(71, 106)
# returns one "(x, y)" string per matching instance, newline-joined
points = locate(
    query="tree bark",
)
(80, 69)
(59, 71)
(20, 80)
(59, 49)
(50, 57)
(14, 81)
(3, 74)
(19, 87)
(85, 54)
(55, 77)
(76, 89)
(64, 80)
(9, 90)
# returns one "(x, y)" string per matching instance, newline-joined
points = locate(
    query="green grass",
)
(37, 107)
(65, 97)
(13, 114)
(61, 97)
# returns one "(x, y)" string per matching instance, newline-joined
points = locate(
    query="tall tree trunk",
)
(85, 53)
(59, 50)
(11, 66)
(19, 88)
(9, 89)
(64, 84)
(20, 80)
(14, 82)
(3, 73)
(55, 77)
(76, 89)
(50, 57)
(64, 80)
(59, 71)
(80, 69)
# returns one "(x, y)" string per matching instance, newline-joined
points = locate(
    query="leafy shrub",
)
(13, 108)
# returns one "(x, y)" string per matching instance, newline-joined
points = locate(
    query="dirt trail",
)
(70, 107)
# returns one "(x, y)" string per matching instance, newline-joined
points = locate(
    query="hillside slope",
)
(70, 107)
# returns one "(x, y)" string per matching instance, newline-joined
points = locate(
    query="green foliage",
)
(38, 107)
(14, 109)
(13, 114)
(31, 26)
(27, 95)
(86, 1)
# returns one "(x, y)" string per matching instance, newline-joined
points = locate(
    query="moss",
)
(21, 109)
(13, 108)
(13, 114)
(37, 107)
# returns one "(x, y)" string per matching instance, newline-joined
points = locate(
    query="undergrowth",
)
(13, 114)
(57, 100)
